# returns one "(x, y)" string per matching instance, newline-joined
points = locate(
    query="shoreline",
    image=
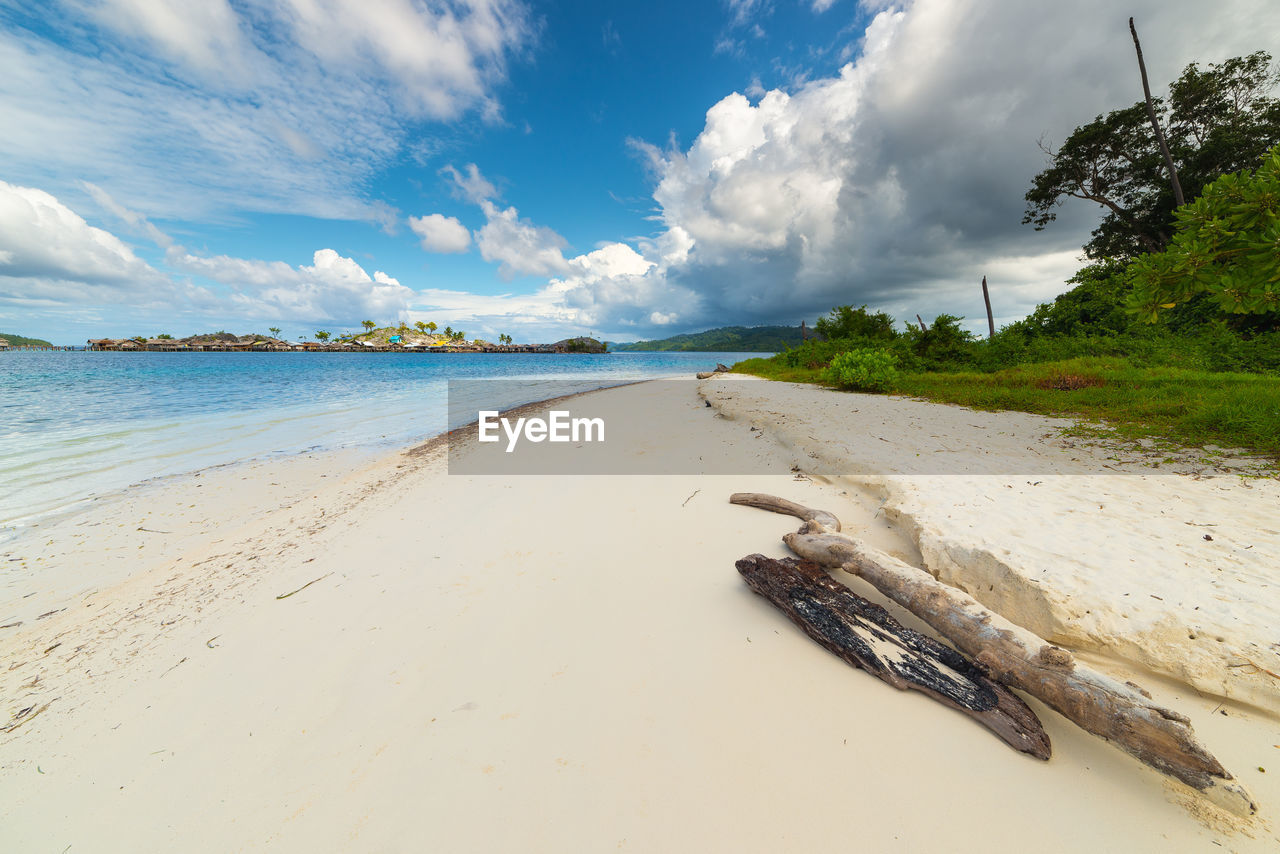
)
(14, 530)
(304, 466)
(395, 652)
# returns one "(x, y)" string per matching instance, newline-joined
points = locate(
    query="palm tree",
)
(368, 325)
(274, 330)
(448, 331)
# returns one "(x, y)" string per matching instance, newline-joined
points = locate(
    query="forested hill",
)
(727, 339)
(22, 341)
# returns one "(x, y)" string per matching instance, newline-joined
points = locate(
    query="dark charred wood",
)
(867, 636)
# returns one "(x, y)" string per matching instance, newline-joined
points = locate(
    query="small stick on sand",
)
(304, 587)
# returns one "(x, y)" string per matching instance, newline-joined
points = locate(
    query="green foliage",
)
(1227, 248)
(1218, 121)
(23, 341)
(1096, 304)
(944, 343)
(817, 354)
(845, 321)
(322, 336)
(864, 369)
(727, 339)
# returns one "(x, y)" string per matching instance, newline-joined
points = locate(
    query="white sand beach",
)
(319, 654)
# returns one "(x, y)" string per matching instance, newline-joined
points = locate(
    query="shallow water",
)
(77, 424)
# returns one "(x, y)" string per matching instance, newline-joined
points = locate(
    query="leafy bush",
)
(845, 321)
(864, 369)
(1227, 248)
(813, 354)
(943, 345)
(1095, 304)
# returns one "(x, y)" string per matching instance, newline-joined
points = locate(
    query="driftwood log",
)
(866, 636)
(1121, 713)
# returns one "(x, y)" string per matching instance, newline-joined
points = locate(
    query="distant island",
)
(9, 340)
(726, 339)
(422, 338)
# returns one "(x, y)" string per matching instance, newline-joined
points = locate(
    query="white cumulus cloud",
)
(518, 246)
(333, 289)
(899, 181)
(441, 233)
(41, 237)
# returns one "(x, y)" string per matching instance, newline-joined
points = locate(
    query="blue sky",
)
(546, 169)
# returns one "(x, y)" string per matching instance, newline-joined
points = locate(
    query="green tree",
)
(448, 332)
(421, 327)
(945, 342)
(845, 321)
(1218, 121)
(1094, 306)
(1227, 247)
(368, 325)
(431, 326)
(274, 330)
(322, 336)
(165, 336)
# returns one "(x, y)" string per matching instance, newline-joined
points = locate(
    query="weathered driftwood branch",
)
(866, 636)
(1115, 711)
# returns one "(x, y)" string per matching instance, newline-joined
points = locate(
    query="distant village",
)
(389, 339)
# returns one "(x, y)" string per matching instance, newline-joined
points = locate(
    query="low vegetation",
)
(1204, 369)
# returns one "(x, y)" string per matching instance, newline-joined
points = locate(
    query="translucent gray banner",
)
(669, 427)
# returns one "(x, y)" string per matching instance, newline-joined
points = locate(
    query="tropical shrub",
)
(864, 369)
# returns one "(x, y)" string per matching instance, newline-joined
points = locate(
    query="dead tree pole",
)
(923, 328)
(1155, 125)
(986, 297)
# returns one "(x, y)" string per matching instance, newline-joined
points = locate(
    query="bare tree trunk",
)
(986, 297)
(1155, 125)
(1117, 712)
(923, 328)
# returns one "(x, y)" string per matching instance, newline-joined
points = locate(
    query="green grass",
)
(771, 370)
(1190, 407)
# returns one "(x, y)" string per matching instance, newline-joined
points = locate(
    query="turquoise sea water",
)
(78, 424)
